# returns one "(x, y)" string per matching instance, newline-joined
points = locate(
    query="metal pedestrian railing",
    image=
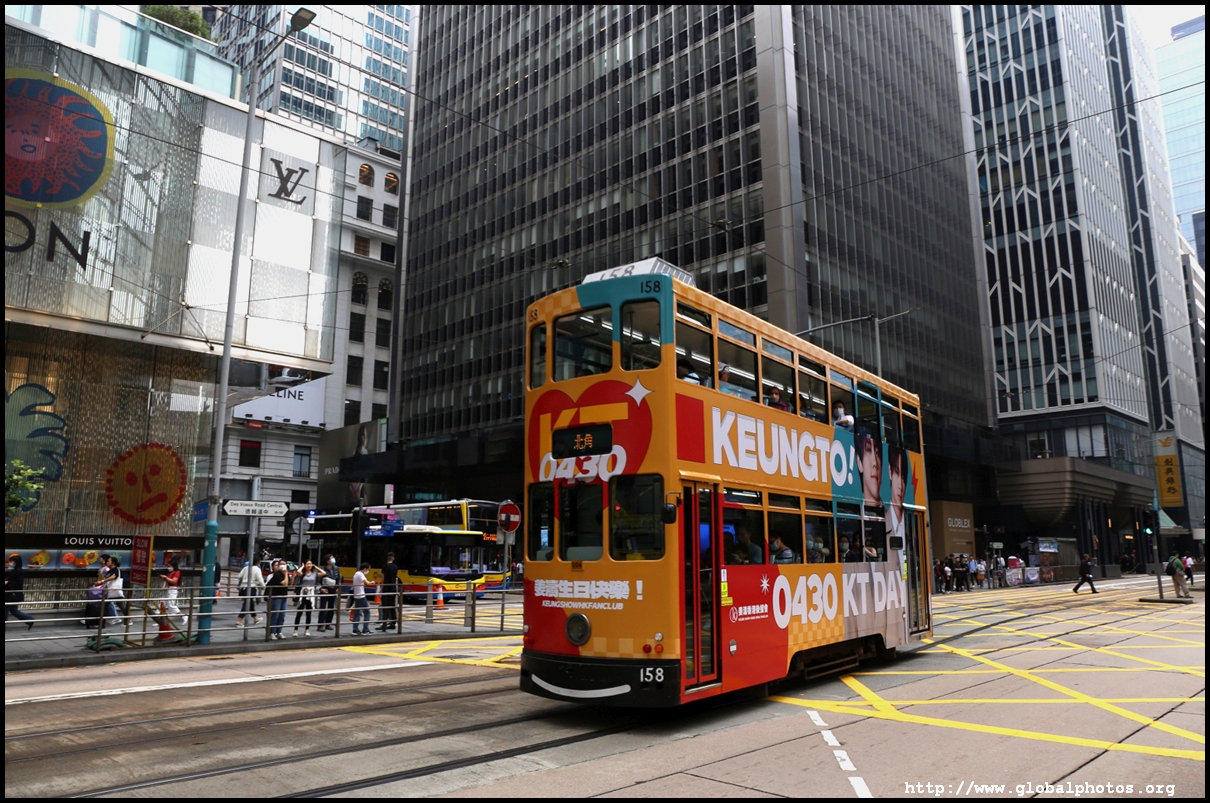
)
(156, 618)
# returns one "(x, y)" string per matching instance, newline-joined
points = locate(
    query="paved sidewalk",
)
(58, 639)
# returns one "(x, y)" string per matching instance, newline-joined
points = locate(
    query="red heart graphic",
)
(632, 433)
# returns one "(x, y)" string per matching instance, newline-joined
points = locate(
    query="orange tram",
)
(711, 503)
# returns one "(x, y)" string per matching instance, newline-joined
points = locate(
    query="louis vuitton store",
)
(120, 203)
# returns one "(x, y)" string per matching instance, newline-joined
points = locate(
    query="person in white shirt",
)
(361, 605)
(251, 583)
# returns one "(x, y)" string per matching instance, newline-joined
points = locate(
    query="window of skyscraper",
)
(353, 370)
(382, 336)
(365, 208)
(390, 215)
(386, 252)
(365, 176)
(361, 245)
(391, 184)
(381, 374)
(386, 294)
(357, 327)
(360, 288)
(352, 412)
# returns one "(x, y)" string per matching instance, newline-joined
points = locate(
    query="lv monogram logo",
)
(287, 182)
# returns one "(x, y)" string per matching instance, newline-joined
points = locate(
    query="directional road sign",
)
(509, 517)
(250, 507)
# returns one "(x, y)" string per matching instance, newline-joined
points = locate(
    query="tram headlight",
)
(659, 636)
(578, 629)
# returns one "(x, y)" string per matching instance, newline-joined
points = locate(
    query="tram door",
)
(919, 572)
(700, 531)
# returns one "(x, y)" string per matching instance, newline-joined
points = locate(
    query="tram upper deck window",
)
(636, 526)
(911, 432)
(640, 335)
(890, 421)
(695, 347)
(581, 529)
(867, 411)
(842, 406)
(690, 314)
(584, 343)
(537, 356)
(777, 385)
(736, 370)
(812, 397)
(540, 533)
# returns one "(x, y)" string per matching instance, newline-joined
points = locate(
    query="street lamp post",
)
(872, 318)
(300, 20)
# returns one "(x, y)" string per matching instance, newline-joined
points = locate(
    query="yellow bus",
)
(711, 502)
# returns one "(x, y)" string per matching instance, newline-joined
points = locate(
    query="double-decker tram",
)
(711, 502)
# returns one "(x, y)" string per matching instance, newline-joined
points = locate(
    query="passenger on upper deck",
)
(684, 370)
(839, 417)
(773, 399)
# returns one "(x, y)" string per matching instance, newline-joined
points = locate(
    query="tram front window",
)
(636, 527)
(581, 531)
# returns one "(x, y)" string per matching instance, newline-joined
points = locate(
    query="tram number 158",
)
(648, 674)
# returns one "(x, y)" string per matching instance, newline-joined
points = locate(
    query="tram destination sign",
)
(250, 507)
(580, 441)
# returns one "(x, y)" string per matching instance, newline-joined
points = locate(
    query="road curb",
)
(239, 648)
(1168, 600)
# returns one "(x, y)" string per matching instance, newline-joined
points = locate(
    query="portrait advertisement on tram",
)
(696, 505)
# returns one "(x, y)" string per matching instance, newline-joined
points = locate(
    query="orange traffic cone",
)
(440, 600)
(167, 633)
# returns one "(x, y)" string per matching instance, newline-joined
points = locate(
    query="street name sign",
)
(250, 507)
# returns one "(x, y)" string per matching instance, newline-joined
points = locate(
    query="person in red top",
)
(172, 589)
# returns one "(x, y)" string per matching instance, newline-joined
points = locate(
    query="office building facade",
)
(1182, 78)
(1092, 358)
(345, 74)
(774, 152)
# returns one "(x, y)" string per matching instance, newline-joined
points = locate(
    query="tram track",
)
(261, 724)
(109, 727)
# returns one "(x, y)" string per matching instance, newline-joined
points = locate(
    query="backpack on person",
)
(1170, 569)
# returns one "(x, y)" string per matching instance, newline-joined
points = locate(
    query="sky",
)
(1157, 21)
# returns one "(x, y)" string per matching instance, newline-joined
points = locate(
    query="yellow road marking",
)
(900, 716)
(1038, 701)
(1035, 671)
(1109, 707)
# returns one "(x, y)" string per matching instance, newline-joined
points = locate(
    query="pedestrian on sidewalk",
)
(1176, 570)
(1085, 575)
(172, 591)
(306, 583)
(361, 605)
(251, 584)
(390, 587)
(276, 591)
(329, 589)
(114, 590)
(1188, 561)
(14, 591)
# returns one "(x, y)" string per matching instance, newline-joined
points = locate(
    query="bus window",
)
(875, 540)
(736, 370)
(842, 407)
(640, 335)
(786, 529)
(584, 343)
(636, 527)
(581, 534)
(537, 356)
(777, 385)
(696, 347)
(821, 547)
(911, 434)
(848, 537)
(812, 397)
(743, 536)
(540, 538)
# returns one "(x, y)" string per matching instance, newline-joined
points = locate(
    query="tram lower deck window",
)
(540, 535)
(581, 514)
(636, 526)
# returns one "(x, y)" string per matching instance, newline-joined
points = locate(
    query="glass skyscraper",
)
(801, 162)
(1086, 305)
(1182, 74)
(344, 74)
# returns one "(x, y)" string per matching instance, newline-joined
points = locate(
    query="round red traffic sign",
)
(509, 517)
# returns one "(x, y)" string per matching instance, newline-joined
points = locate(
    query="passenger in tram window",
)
(753, 551)
(778, 551)
(850, 552)
(684, 370)
(869, 464)
(839, 417)
(773, 399)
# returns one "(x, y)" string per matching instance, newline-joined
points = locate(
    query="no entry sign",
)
(509, 517)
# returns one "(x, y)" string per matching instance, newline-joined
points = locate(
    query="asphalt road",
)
(1095, 696)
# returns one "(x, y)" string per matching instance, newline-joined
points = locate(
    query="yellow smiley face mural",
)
(146, 484)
